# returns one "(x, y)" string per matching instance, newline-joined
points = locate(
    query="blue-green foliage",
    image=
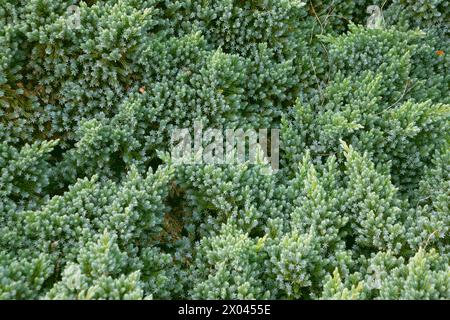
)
(91, 207)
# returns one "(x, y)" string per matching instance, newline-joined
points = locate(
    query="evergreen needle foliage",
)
(92, 208)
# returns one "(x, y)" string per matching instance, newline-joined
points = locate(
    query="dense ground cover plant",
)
(91, 206)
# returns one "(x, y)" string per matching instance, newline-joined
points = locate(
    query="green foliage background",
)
(91, 209)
